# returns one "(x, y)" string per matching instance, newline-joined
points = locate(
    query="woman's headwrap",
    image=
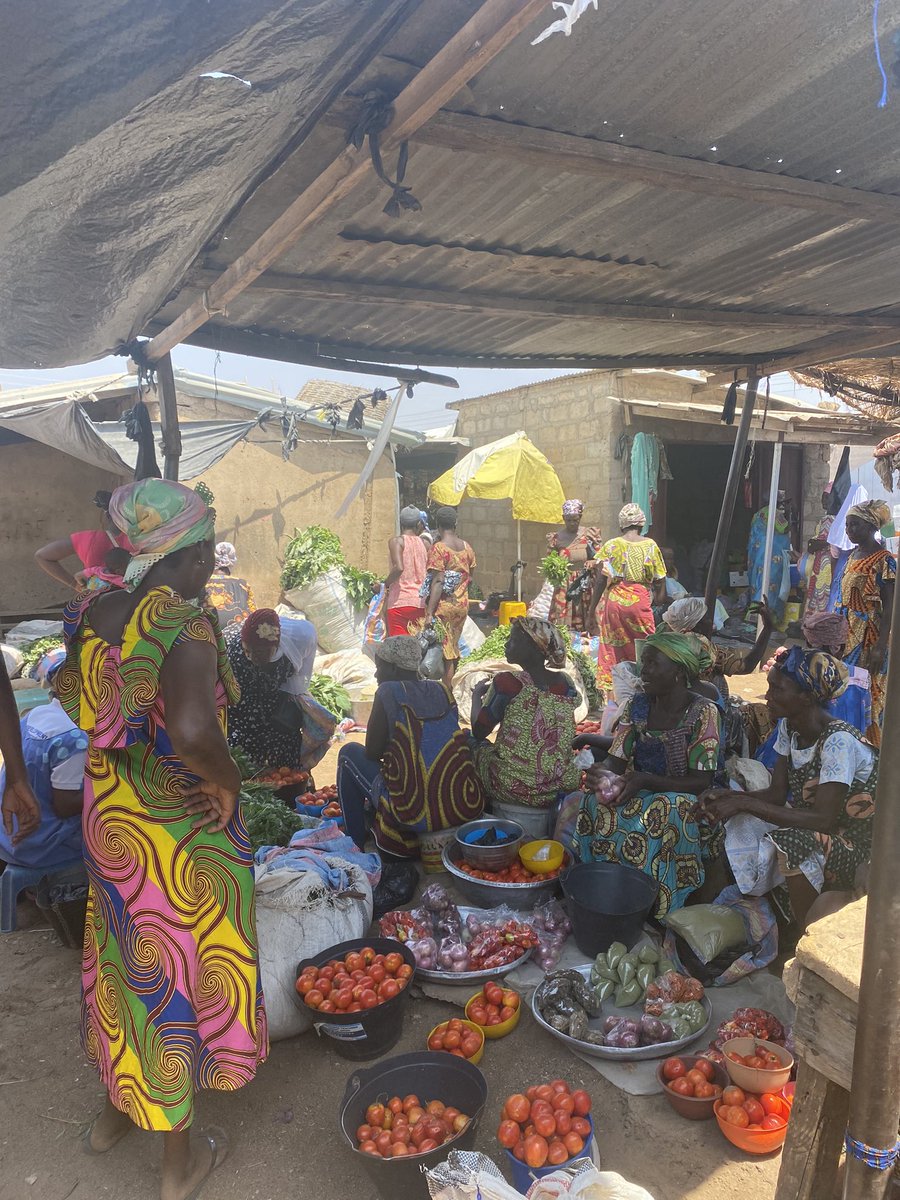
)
(815, 671)
(423, 517)
(631, 514)
(401, 651)
(49, 665)
(159, 517)
(684, 615)
(825, 630)
(546, 637)
(873, 512)
(685, 649)
(573, 508)
(261, 629)
(226, 555)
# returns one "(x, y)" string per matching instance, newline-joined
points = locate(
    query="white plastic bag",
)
(325, 603)
(351, 668)
(12, 656)
(540, 605)
(29, 631)
(471, 638)
(470, 675)
(297, 916)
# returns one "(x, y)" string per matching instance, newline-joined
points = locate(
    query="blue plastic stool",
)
(15, 880)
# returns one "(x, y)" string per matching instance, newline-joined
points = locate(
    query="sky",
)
(426, 409)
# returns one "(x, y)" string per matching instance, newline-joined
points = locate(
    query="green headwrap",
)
(686, 649)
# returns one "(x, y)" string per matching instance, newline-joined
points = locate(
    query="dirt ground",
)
(285, 1137)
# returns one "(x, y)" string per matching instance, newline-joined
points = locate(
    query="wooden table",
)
(823, 982)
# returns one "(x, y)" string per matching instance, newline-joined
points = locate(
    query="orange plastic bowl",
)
(755, 1141)
(494, 1031)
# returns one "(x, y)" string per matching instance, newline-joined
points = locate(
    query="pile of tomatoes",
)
(515, 873)
(493, 1005)
(696, 1082)
(361, 980)
(456, 1037)
(588, 727)
(761, 1060)
(282, 776)
(748, 1111)
(324, 798)
(547, 1125)
(404, 1128)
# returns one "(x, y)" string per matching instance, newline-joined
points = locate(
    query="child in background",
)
(98, 579)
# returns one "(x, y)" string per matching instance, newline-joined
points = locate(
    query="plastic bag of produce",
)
(432, 666)
(708, 928)
(471, 638)
(325, 603)
(298, 916)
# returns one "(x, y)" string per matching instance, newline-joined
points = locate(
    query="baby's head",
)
(116, 560)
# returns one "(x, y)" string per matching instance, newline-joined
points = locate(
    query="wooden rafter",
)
(364, 292)
(495, 24)
(568, 152)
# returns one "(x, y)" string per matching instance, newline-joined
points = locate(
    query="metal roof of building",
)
(529, 223)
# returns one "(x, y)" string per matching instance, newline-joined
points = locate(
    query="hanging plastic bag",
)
(432, 665)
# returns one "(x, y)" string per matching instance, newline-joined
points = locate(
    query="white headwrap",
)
(684, 615)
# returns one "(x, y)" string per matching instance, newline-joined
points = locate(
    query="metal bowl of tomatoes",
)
(514, 885)
(356, 992)
(692, 1084)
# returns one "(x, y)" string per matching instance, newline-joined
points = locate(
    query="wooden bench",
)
(823, 982)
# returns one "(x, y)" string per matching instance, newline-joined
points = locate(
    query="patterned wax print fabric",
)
(657, 832)
(428, 780)
(861, 605)
(231, 597)
(457, 566)
(819, 571)
(251, 721)
(573, 613)
(624, 614)
(531, 761)
(840, 755)
(171, 996)
(779, 570)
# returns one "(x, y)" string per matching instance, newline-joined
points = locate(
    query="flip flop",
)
(88, 1134)
(218, 1145)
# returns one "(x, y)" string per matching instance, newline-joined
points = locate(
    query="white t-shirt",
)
(844, 757)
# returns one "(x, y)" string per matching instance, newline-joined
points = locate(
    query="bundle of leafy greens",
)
(268, 819)
(313, 551)
(33, 652)
(555, 568)
(330, 694)
(358, 585)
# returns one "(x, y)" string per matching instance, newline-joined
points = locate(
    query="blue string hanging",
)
(882, 103)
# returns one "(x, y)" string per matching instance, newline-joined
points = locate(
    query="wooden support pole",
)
(732, 485)
(774, 483)
(490, 29)
(875, 1094)
(168, 417)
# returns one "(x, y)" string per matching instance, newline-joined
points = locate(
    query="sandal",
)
(217, 1140)
(89, 1133)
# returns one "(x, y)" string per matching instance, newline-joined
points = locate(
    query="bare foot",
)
(106, 1130)
(208, 1150)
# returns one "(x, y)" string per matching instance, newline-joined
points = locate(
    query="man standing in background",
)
(403, 585)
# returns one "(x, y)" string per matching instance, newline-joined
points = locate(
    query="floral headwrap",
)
(685, 649)
(631, 514)
(262, 628)
(546, 637)
(825, 630)
(400, 651)
(572, 508)
(815, 671)
(873, 512)
(226, 555)
(159, 517)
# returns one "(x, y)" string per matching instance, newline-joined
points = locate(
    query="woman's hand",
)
(760, 608)
(721, 804)
(212, 804)
(637, 781)
(20, 802)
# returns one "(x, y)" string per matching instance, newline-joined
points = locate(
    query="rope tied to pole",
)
(880, 1160)
(375, 116)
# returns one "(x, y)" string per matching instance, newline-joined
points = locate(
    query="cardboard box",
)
(738, 579)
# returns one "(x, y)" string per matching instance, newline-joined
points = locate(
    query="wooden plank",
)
(168, 417)
(824, 350)
(489, 30)
(825, 1028)
(812, 1150)
(366, 292)
(566, 152)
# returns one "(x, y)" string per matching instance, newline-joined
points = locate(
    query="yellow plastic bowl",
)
(479, 1053)
(542, 866)
(494, 1031)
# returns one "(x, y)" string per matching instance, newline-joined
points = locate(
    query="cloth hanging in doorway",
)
(649, 464)
(843, 481)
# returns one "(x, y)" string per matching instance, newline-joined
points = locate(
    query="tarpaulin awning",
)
(65, 426)
(512, 468)
(203, 443)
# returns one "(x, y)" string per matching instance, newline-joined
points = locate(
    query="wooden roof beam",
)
(568, 152)
(491, 28)
(364, 292)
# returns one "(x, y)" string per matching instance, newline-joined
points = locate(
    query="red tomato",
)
(673, 1068)
(415, 1114)
(736, 1115)
(369, 1148)
(545, 1125)
(545, 1091)
(696, 1077)
(384, 1143)
(773, 1122)
(375, 1115)
(428, 1145)
(558, 1085)
(582, 1103)
(436, 1041)
(353, 961)
(704, 1091)
(770, 1102)
(754, 1061)
(325, 986)
(706, 1067)
(364, 1133)
(367, 998)
(377, 973)
(508, 1134)
(392, 963)
(452, 1040)
(754, 1111)
(563, 1122)
(367, 954)
(519, 1150)
(564, 1101)
(389, 989)
(399, 1150)
(517, 1108)
(532, 1093)
(405, 972)
(327, 1006)
(410, 1101)
(493, 1019)
(682, 1086)
(574, 1144)
(733, 1097)
(557, 1152)
(506, 1013)
(581, 1126)
(306, 984)
(478, 1014)
(536, 1150)
(510, 999)
(435, 1108)
(471, 1044)
(327, 972)
(344, 999)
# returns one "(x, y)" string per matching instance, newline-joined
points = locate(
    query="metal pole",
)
(168, 417)
(730, 497)
(773, 506)
(519, 559)
(875, 1093)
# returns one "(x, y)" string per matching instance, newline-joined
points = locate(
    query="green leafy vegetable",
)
(555, 568)
(247, 767)
(330, 694)
(268, 819)
(359, 585)
(310, 553)
(34, 651)
(587, 669)
(494, 645)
